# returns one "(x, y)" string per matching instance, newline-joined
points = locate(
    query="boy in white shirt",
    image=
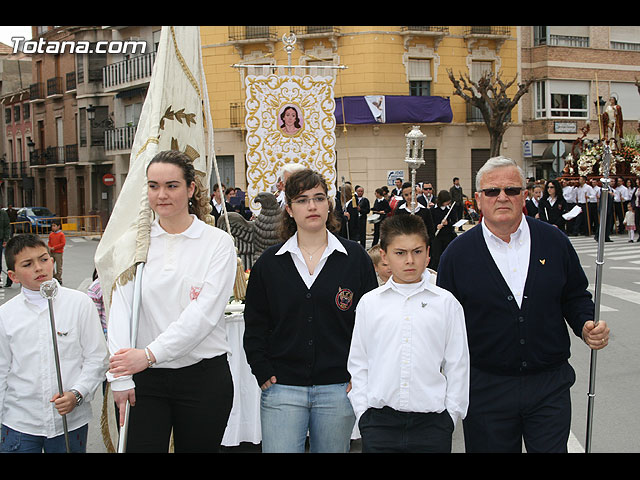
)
(409, 359)
(31, 407)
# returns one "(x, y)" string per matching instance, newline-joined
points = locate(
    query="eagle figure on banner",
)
(253, 237)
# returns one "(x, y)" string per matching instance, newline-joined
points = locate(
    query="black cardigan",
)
(301, 335)
(506, 339)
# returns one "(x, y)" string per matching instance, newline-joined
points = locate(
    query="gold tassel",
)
(104, 422)
(240, 285)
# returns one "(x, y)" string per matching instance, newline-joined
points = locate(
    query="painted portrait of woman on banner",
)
(291, 120)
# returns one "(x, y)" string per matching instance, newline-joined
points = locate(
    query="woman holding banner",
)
(177, 378)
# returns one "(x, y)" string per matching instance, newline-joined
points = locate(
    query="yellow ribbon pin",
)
(542, 260)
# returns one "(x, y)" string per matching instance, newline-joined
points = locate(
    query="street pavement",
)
(614, 425)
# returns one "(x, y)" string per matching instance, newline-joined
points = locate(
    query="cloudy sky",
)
(7, 32)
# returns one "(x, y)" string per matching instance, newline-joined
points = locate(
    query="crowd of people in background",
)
(555, 201)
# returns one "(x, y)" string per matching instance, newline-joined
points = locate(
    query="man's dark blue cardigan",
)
(503, 338)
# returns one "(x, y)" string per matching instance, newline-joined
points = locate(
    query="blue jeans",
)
(289, 412)
(12, 441)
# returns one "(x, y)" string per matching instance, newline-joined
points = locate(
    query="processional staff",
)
(604, 198)
(446, 216)
(49, 290)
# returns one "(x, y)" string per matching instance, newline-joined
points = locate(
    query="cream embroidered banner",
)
(290, 119)
(175, 116)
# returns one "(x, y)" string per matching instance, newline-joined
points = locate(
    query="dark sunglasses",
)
(494, 192)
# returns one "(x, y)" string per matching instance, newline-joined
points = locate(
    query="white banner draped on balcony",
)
(289, 119)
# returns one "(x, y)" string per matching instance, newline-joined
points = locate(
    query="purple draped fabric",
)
(398, 109)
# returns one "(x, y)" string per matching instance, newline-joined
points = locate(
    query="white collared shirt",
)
(407, 206)
(625, 193)
(292, 247)
(28, 377)
(619, 193)
(584, 193)
(511, 258)
(569, 194)
(187, 282)
(409, 351)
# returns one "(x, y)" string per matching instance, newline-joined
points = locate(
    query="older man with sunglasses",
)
(520, 283)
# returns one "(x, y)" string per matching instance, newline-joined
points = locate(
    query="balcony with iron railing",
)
(36, 92)
(129, 73)
(23, 169)
(315, 31)
(249, 34)
(11, 170)
(425, 29)
(55, 155)
(71, 81)
(484, 30)
(54, 87)
(435, 32)
(119, 140)
(475, 33)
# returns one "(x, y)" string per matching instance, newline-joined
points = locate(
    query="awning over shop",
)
(373, 109)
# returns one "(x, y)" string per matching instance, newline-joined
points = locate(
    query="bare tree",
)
(489, 95)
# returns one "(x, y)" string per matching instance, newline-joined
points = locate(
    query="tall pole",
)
(604, 199)
(289, 41)
(49, 290)
(135, 316)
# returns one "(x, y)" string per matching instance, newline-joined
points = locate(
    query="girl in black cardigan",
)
(553, 205)
(299, 316)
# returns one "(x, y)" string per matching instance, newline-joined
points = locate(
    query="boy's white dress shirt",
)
(409, 351)
(28, 378)
(186, 284)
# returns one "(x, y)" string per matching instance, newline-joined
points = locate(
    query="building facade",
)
(126, 78)
(61, 165)
(17, 179)
(573, 67)
(404, 61)
(16, 183)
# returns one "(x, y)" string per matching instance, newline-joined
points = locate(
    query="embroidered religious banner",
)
(175, 116)
(289, 119)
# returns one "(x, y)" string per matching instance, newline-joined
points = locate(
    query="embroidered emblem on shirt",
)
(62, 334)
(542, 260)
(344, 298)
(193, 294)
(423, 304)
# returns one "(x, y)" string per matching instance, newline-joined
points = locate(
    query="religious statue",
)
(612, 123)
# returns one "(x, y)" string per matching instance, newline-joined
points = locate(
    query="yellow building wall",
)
(373, 56)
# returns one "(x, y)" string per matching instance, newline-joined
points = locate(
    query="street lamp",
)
(414, 158)
(91, 115)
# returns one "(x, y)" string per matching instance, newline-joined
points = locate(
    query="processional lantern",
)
(414, 158)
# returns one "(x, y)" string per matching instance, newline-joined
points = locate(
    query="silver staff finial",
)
(49, 289)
